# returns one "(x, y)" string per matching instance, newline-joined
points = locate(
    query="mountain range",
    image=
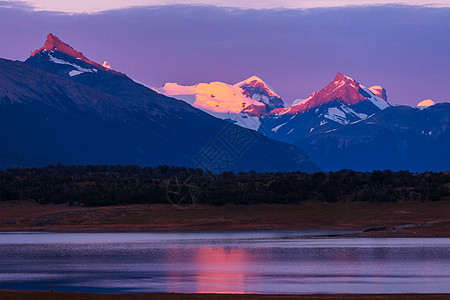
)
(345, 125)
(60, 107)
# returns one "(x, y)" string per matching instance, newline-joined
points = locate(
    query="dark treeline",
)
(113, 185)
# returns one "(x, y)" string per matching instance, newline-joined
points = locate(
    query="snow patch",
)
(303, 102)
(71, 73)
(356, 121)
(336, 115)
(377, 101)
(350, 111)
(75, 73)
(261, 98)
(275, 129)
(297, 101)
(240, 119)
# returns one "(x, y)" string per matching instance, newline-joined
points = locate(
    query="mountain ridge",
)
(95, 116)
(343, 101)
(58, 91)
(397, 138)
(343, 89)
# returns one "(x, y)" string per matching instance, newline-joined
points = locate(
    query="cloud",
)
(91, 6)
(15, 4)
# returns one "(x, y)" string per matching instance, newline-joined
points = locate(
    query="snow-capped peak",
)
(257, 82)
(249, 98)
(342, 89)
(425, 103)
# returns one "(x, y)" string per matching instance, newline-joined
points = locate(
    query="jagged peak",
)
(53, 43)
(341, 83)
(343, 89)
(254, 78)
(342, 77)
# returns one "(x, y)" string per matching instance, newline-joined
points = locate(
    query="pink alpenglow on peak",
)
(54, 43)
(252, 96)
(425, 103)
(106, 65)
(343, 88)
(379, 91)
(214, 96)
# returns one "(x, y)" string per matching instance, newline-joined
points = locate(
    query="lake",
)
(297, 262)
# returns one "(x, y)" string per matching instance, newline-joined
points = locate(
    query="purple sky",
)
(76, 6)
(402, 48)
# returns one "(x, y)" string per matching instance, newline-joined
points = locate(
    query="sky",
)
(404, 48)
(102, 5)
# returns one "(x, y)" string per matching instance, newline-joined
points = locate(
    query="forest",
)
(121, 185)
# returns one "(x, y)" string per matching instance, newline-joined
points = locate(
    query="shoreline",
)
(13, 294)
(359, 234)
(405, 219)
(347, 236)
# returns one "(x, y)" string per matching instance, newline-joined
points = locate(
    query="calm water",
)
(262, 262)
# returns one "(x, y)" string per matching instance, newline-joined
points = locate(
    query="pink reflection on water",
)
(217, 270)
(222, 270)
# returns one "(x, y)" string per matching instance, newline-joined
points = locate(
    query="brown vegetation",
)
(378, 219)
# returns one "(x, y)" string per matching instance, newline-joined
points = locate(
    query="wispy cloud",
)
(15, 4)
(92, 6)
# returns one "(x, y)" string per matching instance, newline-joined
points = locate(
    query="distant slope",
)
(348, 126)
(397, 138)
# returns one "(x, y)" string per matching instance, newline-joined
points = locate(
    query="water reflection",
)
(223, 263)
(221, 270)
(207, 269)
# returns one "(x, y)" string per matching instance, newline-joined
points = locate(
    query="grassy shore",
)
(400, 219)
(414, 219)
(25, 295)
